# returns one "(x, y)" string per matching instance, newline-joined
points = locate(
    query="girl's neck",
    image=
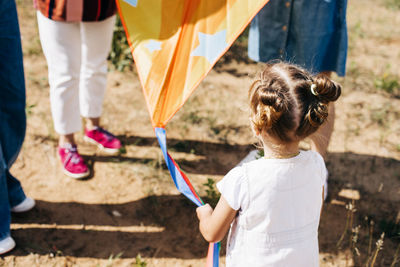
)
(276, 149)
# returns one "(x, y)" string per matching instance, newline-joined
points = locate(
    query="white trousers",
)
(76, 54)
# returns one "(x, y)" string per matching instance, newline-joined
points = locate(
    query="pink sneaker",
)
(73, 164)
(103, 139)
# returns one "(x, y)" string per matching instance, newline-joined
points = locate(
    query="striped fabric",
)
(76, 10)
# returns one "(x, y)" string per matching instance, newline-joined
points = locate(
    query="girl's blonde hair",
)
(289, 103)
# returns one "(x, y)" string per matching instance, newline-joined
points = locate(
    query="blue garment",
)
(309, 33)
(12, 111)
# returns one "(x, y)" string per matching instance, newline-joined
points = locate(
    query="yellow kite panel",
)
(175, 43)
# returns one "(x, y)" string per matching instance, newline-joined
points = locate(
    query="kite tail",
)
(184, 186)
(213, 255)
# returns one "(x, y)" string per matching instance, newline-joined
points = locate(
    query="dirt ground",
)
(129, 205)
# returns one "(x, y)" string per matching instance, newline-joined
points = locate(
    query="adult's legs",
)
(96, 45)
(12, 111)
(5, 210)
(61, 47)
(320, 140)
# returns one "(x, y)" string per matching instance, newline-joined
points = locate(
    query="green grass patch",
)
(393, 4)
(120, 56)
(388, 83)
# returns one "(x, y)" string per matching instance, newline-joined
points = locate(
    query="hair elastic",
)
(313, 87)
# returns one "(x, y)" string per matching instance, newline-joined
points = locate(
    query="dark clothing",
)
(309, 33)
(12, 111)
(76, 10)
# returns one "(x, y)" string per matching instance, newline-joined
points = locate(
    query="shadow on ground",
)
(44, 228)
(173, 216)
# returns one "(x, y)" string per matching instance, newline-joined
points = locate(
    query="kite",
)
(175, 43)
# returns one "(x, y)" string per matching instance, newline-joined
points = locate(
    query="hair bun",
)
(271, 105)
(326, 89)
(317, 114)
(274, 99)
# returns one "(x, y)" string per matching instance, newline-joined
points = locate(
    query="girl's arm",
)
(214, 224)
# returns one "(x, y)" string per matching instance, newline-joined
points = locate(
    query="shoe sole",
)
(8, 249)
(100, 146)
(26, 209)
(76, 175)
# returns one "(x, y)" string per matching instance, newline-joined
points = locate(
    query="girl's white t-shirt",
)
(279, 203)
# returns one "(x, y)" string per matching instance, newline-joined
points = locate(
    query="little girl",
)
(272, 205)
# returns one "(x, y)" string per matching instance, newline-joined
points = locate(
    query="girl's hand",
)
(215, 223)
(204, 211)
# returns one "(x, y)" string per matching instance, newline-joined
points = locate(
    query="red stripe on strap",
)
(186, 179)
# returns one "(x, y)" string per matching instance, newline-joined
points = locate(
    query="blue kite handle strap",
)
(184, 186)
(181, 181)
